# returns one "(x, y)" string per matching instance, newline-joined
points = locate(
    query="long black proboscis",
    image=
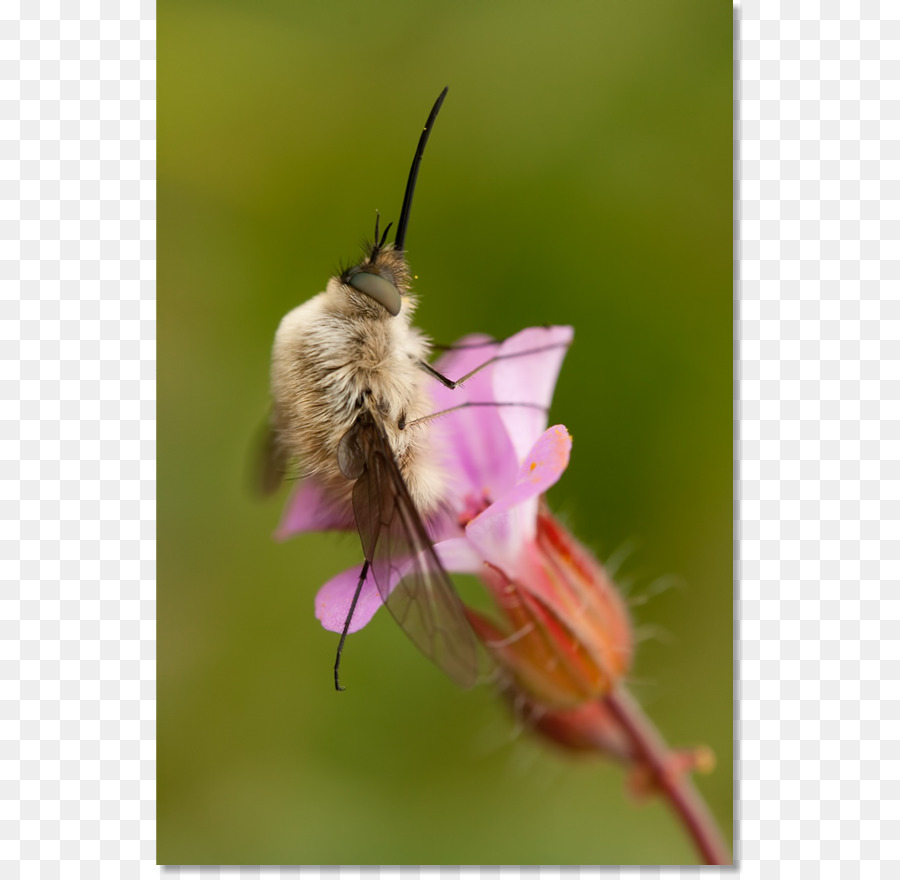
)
(414, 172)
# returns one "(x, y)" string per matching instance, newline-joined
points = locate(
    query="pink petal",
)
(500, 531)
(477, 456)
(458, 554)
(311, 510)
(477, 453)
(334, 598)
(529, 378)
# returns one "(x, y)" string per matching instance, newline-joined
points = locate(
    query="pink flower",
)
(560, 632)
(481, 445)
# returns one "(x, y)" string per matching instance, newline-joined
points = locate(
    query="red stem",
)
(676, 786)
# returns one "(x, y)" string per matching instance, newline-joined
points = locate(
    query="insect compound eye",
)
(379, 289)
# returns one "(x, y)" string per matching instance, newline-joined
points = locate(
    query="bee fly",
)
(349, 376)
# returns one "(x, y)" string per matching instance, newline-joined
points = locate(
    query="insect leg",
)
(453, 384)
(340, 648)
(425, 419)
(484, 343)
(463, 346)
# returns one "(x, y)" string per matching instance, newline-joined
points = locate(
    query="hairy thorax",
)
(335, 359)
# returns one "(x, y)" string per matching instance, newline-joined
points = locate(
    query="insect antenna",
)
(400, 239)
(378, 244)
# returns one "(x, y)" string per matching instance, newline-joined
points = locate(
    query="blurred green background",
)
(580, 173)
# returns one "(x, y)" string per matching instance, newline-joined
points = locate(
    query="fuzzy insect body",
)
(340, 357)
(349, 374)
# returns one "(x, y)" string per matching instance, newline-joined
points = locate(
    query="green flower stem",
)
(676, 786)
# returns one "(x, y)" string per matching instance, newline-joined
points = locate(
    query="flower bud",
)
(589, 727)
(562, 633)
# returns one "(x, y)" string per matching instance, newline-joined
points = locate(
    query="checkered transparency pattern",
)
(819, 322)
(77, 110)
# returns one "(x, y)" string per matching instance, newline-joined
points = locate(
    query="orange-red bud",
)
(563, 632)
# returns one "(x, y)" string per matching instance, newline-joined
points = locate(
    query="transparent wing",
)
(269, 462)
(409, 576)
